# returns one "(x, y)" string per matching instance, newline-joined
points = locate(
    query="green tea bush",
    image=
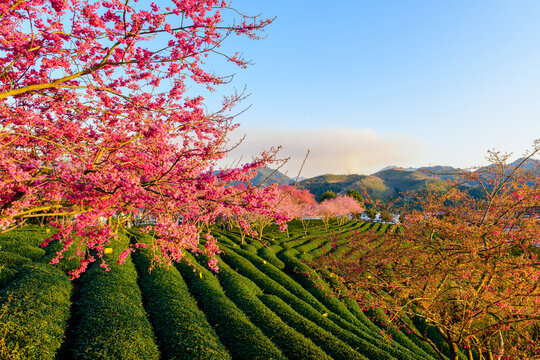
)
(306, 257)
(68, 262)
(9, 259)
(112, 323)
(399, 340)
(269, 277)
(249, 247)
(243, 339)
(37, 308)
(349, 302)
(358, 225)
(234, 237)
(269, 286)
(257, 244)
(271, 257)
(311, 281)
(325, 249)
(341, 250)
(276, 248)
(297, 242)
(311, 245)
(421, 344)
(181, 328)
(225, 240)
(435, 336)
(32, 252)
(363, 227)
(381, 319)
(29, 235)
(333, 346)
(244, 294)
(6, 275)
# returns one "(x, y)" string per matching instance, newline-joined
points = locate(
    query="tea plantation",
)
(264, 303)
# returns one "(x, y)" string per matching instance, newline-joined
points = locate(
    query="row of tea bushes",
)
(297, 242)
(69, 260)
(420, 348)
(311, 281)
(272, 279)
(270, 256)
(358, 336)
(22, 246)
(312, 245)
(35, 308)
(35, 296)
(111, 321)
(11, 260)
(351, 304)
(411, 341)
(323, 250)
(322, 317)
(327, 341)
(17, 248)
(245, 294)
(31, 235)
(248, 247)
(181, 328)
(383, 228)
(31, 252)
(264, 303)
(235, 330)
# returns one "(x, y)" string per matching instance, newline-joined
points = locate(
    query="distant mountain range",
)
(392, 167)
(383, 185)
(267, 176)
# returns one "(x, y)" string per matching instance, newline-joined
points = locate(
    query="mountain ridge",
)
(386, 184)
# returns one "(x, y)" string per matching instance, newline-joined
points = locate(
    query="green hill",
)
(267, 176)
(336, 183)
(260, 305)
(384, 185)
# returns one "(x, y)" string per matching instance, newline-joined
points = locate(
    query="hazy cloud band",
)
(333, 150)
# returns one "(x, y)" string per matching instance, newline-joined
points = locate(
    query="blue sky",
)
(366, 84)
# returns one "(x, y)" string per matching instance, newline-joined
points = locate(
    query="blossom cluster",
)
(97, 129)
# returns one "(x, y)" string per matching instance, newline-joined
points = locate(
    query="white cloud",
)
(332, 150)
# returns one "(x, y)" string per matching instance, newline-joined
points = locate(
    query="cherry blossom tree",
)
(338, 208)
(97, 120)
(466, 263)
(298, 204)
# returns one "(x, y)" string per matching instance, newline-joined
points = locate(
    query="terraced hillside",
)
(261, 305)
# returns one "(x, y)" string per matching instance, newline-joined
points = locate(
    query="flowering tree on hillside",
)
(338, 208)
(466, 263)
(298, 204)
(96, 122)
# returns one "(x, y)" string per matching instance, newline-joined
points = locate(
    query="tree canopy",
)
(99, 127)
(329, 194)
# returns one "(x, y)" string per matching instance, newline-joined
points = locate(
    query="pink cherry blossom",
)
(97, 130)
